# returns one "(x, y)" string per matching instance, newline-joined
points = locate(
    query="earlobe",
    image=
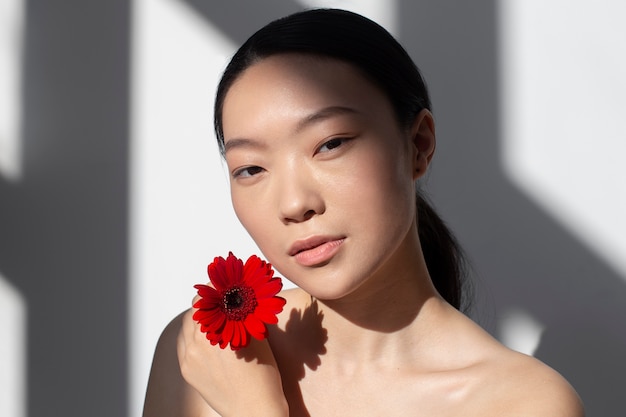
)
(423, 141)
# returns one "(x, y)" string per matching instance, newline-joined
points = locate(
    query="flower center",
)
(238, 302)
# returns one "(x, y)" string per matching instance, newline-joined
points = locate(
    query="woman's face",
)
(322, 175)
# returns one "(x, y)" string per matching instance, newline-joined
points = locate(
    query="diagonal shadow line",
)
(527, 258)
(240, 18)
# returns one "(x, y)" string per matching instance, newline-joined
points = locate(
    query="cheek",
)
(379, 191)
(260, 220)
(250, 211)
(381, 177)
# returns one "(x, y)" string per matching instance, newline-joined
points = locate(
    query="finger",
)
(182, 337)
(195, 299)
(191, 329)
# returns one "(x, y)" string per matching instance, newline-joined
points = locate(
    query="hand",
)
(242, 383)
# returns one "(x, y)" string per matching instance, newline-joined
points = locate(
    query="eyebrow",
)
(242, 143)
(323, 114)
(315, 117)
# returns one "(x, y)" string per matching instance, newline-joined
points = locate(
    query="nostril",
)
(309, 214)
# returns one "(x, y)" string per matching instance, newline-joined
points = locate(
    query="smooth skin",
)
(316, 152)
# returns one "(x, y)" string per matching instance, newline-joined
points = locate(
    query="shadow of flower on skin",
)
(305, 338)
(300, 346)
(301, 343)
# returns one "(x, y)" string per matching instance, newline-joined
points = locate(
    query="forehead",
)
(294, 69)
(295, 85)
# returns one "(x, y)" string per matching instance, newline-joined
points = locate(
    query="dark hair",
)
(374, 51)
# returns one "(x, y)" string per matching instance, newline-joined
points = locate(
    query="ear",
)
(423, 142)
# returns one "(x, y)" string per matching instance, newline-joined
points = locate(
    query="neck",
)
(390, 313)
(351, 350)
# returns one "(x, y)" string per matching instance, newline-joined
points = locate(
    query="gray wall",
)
(64, 225)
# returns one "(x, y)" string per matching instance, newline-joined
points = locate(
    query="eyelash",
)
(239, 173)
(250, 171)
(335, 141)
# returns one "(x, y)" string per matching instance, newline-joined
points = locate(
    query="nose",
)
(299, 197)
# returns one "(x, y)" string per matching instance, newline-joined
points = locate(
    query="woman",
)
(325, 124)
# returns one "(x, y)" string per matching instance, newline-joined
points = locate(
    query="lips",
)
(315, 250)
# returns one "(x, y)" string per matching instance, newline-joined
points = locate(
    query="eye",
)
(247, 172)
(332, 144)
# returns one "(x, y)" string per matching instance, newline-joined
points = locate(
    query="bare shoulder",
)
(502, 382)
(295, 297)
(167, 393)
(297, 301)
(523, 385)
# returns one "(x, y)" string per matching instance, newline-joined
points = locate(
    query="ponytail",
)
(444, 257)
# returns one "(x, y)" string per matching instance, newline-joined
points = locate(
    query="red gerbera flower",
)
(240, 303)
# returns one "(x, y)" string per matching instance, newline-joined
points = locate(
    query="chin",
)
(332, 291)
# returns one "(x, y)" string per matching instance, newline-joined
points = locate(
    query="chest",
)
(320, 394)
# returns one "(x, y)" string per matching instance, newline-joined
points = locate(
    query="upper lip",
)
(310, 243)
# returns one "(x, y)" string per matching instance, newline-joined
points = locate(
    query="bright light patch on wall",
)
(11, 29)
(180, 215)
(12, 351)
(382, 12)
(564, 100)
(519, 331)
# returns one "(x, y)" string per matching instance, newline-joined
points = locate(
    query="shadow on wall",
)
(64, 224)
(524, 258)
(63, 239)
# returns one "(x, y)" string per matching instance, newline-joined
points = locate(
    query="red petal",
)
(213, 338)
(235, 342)
(274, 304)
(257, 271)
(202, 315)
(224, 273)
(229, 330)
(216, 325)
(251, 269)
(268, 308)
(208, 303)
(234, 269)
(255, 327)
(217, 274)
(245, 338)
(206, 291)
(223, 343)
(268, 289)
(266, 316)
(207, 316)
